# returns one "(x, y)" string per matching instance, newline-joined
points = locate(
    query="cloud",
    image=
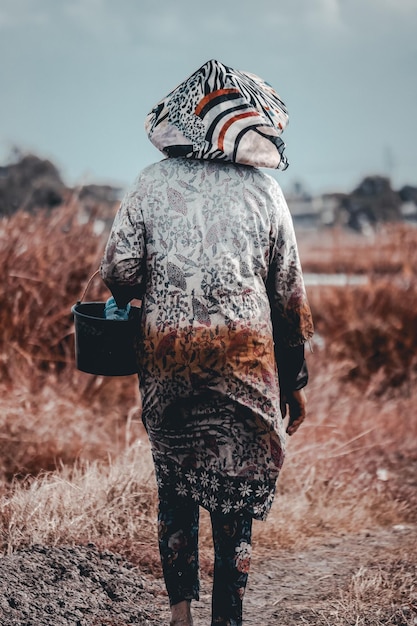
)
(325, 12)
(397, 6)
(98, 19)
(21, 13)
(344, 67)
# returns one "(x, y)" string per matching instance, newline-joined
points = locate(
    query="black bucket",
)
(105, 347)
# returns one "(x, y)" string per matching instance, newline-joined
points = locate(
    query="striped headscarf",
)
(222, 114)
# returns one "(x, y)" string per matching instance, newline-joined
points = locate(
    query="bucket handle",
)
(87, 286)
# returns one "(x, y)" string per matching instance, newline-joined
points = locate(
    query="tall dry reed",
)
(49, 412)
(391, 249)
(46, 259)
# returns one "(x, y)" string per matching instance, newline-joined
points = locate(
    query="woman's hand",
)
(296, 402)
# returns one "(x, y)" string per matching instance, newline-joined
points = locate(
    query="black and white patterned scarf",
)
(222, 114)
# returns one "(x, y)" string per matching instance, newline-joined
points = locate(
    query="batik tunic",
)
(211, 249)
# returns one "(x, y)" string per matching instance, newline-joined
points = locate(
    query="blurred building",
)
(371, 203)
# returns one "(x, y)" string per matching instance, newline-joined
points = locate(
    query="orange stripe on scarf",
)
(232, 121)
(211, 96)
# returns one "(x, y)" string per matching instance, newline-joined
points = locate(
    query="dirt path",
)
(307, 587)
(81, 586)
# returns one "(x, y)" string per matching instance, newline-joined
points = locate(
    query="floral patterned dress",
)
(210, 249)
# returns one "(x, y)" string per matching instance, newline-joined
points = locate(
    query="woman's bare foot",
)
(181, 614)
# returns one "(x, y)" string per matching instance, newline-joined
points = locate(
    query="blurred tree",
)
(373, 201)
(28, 184)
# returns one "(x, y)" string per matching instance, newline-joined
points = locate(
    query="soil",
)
(83, 586)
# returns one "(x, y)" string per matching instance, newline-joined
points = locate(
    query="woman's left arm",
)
(123, 267)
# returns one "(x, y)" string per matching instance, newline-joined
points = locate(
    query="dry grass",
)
(43, 430)
(46, 260)
(390, 250)
(380, 594)
(49, 412)
(76, 465)
(371, 333)
(370, 330)
(352, 466)
(83, 503)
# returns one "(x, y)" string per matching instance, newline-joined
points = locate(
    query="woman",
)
(206, 240)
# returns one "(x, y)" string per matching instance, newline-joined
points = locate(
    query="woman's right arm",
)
(290, 312)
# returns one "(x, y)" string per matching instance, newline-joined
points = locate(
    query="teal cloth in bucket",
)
(113, 312)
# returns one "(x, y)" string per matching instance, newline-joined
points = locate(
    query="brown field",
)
(75, 464)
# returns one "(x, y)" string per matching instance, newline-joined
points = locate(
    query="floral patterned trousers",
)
(178, 545)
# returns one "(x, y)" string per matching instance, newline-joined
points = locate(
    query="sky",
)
(77, 78)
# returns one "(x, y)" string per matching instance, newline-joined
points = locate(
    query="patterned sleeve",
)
(124, 262)
(290, 311)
